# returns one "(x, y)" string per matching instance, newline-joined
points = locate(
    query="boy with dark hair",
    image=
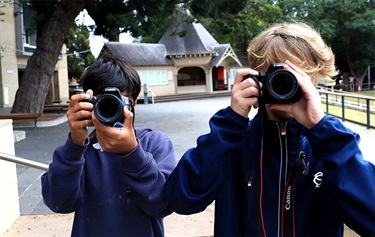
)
(113, 178)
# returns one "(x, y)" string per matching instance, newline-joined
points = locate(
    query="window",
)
(29, 31)
(232, 74)
(153, 77)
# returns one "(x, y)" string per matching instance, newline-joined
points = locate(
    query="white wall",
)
(9, 204)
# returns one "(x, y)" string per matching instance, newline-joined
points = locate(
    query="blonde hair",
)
(296, 42)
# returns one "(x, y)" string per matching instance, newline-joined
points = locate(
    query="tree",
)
(53, 20)
(78, 50)
(240, 27)
(349, 27)
(36, 80)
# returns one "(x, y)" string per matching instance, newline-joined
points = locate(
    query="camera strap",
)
(287, 214)
(261, 112)
(301, 166)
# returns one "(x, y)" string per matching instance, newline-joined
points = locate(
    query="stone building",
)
(192, 63)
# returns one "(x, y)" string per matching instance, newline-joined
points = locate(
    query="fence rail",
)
(361, 104)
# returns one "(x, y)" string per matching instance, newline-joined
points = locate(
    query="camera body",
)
(280, 86)
(109, 107)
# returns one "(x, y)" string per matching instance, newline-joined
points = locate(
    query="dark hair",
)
(110, 71)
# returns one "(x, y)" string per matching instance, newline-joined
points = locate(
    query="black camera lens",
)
(283, 86)
(109, 109)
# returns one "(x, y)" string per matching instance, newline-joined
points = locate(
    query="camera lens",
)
(109, 109)
(283, 86)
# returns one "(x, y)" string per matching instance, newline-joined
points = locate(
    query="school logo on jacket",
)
(318, 179)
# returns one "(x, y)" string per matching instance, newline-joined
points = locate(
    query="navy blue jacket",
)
(111, 195)
(262, 193)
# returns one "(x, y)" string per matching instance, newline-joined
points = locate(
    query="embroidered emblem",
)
(318, 179)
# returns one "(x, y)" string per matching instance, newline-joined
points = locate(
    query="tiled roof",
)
(140, 54)
(188, 39)
(180, 40)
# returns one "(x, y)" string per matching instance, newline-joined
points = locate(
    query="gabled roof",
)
(224, 51)
(140, 54)
(242, 57)
(184, 39)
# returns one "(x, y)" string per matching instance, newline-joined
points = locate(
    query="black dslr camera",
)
(279, 85)
(109, 107)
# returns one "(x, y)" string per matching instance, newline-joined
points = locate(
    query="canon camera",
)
(109, 107)
(279, 85)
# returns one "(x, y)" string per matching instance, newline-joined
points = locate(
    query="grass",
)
(357, 100)
(350, 114)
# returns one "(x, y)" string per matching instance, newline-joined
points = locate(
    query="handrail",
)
(152, 94)
(23, 161)
(367, 108)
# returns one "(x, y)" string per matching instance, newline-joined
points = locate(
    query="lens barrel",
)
(282, 87)
(109, 109)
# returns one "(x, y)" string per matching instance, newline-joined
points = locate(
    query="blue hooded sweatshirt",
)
(111, 195)
(299, 183)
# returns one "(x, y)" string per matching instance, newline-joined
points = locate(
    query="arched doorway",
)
(191, 79)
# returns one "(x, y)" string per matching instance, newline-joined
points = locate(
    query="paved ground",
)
(182, 121)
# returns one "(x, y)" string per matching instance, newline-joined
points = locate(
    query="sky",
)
(97, 42)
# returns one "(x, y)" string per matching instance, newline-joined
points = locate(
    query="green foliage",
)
(141, 18)
(217, 8)
(239, 28)
(78, 50)
(349, 27)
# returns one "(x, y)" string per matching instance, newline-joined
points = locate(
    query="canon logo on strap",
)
(287, 201)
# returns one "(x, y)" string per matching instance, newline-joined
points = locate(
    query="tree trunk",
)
(360, 79)
(37, 79)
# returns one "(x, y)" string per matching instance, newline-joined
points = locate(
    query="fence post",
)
(368, 113)
(9, 203)
(343, 107)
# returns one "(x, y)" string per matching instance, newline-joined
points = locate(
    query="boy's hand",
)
(245, 93)
(79, 117)
(121, 141)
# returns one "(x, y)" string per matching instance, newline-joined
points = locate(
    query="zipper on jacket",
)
(282, 126)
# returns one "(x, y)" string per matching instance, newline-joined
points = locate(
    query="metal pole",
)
(24, 162)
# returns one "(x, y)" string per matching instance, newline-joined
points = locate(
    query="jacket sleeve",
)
(62, 183)
(351, 179)
(146, 169)
(194, 183)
